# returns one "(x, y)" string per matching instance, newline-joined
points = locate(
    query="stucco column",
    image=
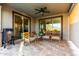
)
(0, 28)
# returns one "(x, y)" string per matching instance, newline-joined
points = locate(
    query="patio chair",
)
(29, 38)
(55, 36)
(47, 36)
(33, 36)
(25, 37)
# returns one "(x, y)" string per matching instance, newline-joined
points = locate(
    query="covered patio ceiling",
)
(54, 8)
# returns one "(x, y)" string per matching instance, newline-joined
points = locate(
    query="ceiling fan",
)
(42, 10)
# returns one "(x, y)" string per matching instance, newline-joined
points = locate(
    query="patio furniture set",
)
(8, 39)
(34, 37)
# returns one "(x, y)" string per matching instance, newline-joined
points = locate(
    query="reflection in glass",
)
(20, 25)
(53, 25)
(17, 26)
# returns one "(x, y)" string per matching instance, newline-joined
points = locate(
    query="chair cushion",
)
(55, 37)
(32, 38)
(45, 37)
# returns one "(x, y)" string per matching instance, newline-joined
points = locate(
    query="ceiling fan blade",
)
(37, 9)
(42, 11)
(37, 12)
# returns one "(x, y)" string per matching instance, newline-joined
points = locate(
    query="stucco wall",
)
(65, 27)
(74, 25)
(6, 17)
(37, 26)
(33, 21)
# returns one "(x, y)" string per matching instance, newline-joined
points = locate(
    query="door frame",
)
(61, 24)
(14, 12)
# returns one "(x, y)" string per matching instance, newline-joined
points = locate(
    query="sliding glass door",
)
(20, 25)
(53, 25)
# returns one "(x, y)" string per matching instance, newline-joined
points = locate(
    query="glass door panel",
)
(42, 27)
(48, 25)
(20, 26)
(25, 24)
(17, 26)
(56, 26)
